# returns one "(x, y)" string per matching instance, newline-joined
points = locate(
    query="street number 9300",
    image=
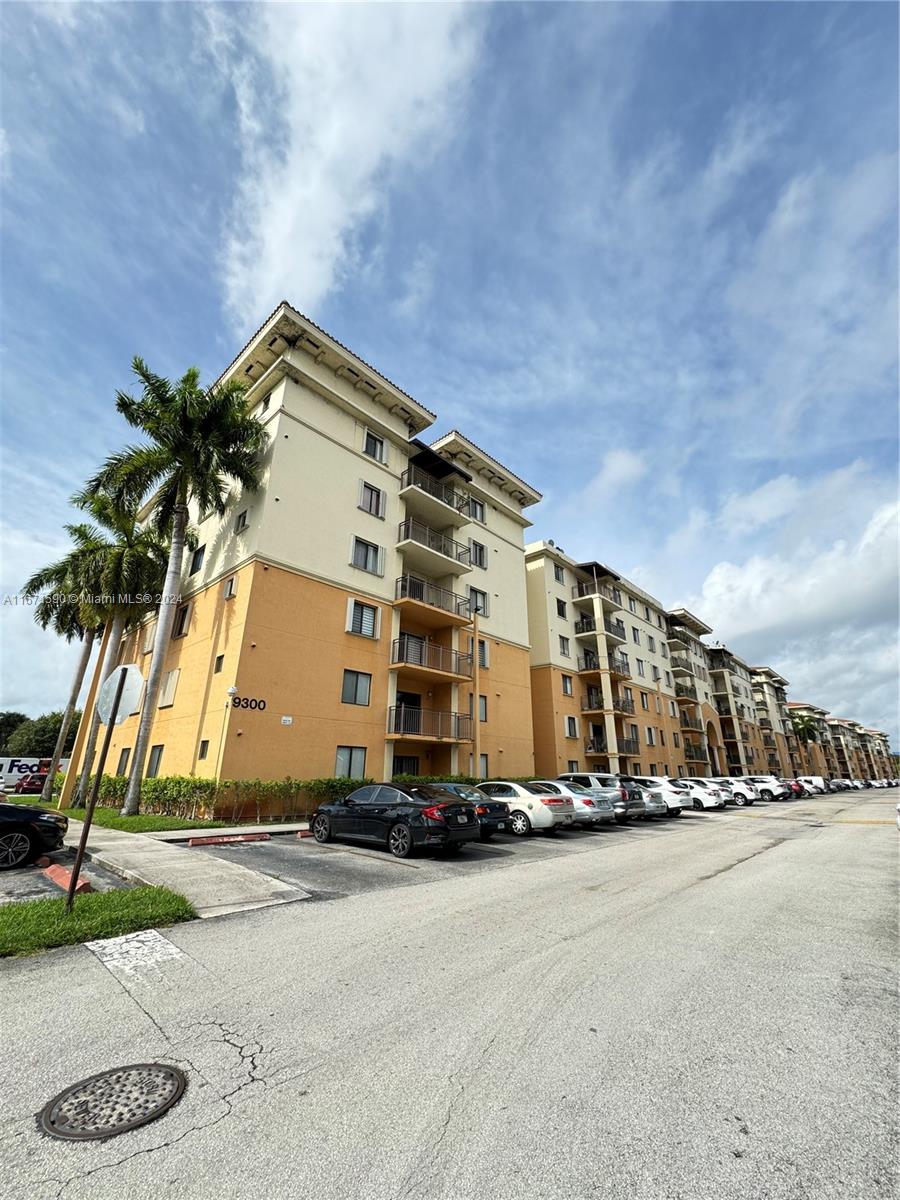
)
(247, 702)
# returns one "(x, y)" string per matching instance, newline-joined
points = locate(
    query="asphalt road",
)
(700, 1010)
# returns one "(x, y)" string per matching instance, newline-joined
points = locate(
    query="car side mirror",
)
(348, 803)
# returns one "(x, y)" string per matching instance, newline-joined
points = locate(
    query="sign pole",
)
(95, 790)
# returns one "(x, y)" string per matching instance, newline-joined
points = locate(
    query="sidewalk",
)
(213, 885)
(184, 835)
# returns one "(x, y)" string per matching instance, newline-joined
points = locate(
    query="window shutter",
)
(381, 560)
(348, 626)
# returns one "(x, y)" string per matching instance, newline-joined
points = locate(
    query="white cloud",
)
(743, 514)
(417, 283)
(335, 103)
(129, 117)
(618, 469)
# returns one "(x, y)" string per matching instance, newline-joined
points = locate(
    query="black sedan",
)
(400, 816)
(493, 815)
(27, 831)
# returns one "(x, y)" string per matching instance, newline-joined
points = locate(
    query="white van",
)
(814, 783)
(12, 769)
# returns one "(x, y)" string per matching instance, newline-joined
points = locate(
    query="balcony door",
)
(409, 712)
(413, 648)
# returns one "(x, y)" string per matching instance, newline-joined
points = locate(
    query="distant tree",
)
(9, 722)
(37, 738)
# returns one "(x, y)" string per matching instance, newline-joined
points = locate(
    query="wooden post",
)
(81, 737)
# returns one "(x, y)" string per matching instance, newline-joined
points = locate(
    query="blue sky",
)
(644, 253)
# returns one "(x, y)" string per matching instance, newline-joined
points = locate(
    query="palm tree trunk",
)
(161, 641)
(87, 645)
(109, 662)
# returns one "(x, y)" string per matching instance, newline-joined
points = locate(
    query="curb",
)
(304, 833)
(227, 838)
(62, 877)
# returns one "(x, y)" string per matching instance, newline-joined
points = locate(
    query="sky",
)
(646, 254)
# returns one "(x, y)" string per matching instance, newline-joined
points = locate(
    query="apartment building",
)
(746, 746)
(782, 751)
(698, 714)
(328, 623)
(605, 692)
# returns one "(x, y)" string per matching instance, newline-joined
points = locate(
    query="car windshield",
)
(424, 791)
(468, 793)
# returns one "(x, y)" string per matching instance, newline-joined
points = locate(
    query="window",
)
(156, 753)
(640, 667)
(658, 704)
(366, 556)
(654, 674)
(149, 636)
(651, 736)
(561, 608)
(560, 576)
(477, 554)
(632, 604)
(483, 766)
(676, 740)
(231, 587)
(628, 693)
(571, 727)
(350, 762)
(182, 615)
(374, 447)
(646, 613)
(167, 691)
(634, 732)
(265, 402)
(662, 737)
(219, 664)
(659, 620)
(651, 643)
(617, 596)
(645, 701)
(672, 712)
(123, 761)
(241, 522)
(668, 679)
(564, 646)
(204, 749)
(567, 685)
(197, 560)
(357, 688)
(482, 708)
(363, 619)
(573, 764)
(653, 768)
(483, 660)
(664, 649)
(635, 635)
(371, 499)
(478, 602)
(476, 510)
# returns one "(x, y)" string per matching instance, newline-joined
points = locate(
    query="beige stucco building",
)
(326, 625)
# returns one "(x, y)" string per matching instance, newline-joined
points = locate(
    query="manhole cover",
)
(113, 1102)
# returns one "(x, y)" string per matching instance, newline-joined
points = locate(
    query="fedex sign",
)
(12, 769)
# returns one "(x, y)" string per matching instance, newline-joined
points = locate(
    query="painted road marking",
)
(135, 955)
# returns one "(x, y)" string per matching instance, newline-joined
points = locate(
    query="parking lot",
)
(30, 883)
(340, 869)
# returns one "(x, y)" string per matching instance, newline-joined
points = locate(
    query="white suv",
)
(673, 792)
(738, 789)
(770, 788)
(531, 806)
(705, 793)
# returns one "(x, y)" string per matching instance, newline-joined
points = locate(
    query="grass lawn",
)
(36, 925)
(109, 818)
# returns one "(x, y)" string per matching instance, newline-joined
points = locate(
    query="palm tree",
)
(199, 439)
(805, 727)
(114, 564)
(62, 607)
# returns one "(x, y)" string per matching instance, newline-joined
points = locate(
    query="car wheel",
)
(766, 794)
(698, 806)
(16, 849)
(519, 824)
(322, 829)
(674, 812)
(740, 801)
(400, 841)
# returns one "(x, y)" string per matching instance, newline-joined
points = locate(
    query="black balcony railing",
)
(439, 488)
(414, 652)
(585, 625)
(596, 746)
(591, 701)
(768, 741)
(588, 662)
(441, 543)
(680, 663)
(409, 587)
(690, 722)
(592, 588)
(685, 691)
(695, 753)
(733, 760)
(628, 745)
(622, 704)
(428, 722)
(619, 664)
(765, 723)
(616, 628)
(724, 710)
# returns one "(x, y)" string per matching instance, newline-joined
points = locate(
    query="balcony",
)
(681, 665)
(618, 666)
(589, 664)
(596, 746)
(678, 639)
(724, 710)
(614, 630)
(733, 760)
(428, 725)
(427, 660)
(765, 723)
(591, 588)
(686, 693)
(433, 499)
(629, 746)
(430, 605)
(585, 625)
(688, 722)
(768, 741)
(431, 551)
(592, 701)
(695, 753)
(621, 704)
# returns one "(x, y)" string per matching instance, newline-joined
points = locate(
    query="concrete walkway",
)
(184, 835)
(212, 885)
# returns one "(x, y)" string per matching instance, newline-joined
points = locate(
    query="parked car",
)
(654, 804)
(839, 785)
(630, 804)
(796, 788)
(531, 806)
(31, 785)
(815, 784)
(591, 810)
(770, 788)
(705, 793)
(27, 831)
(672, 791)
(738, 790)
(401, 816)
(493, 815)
